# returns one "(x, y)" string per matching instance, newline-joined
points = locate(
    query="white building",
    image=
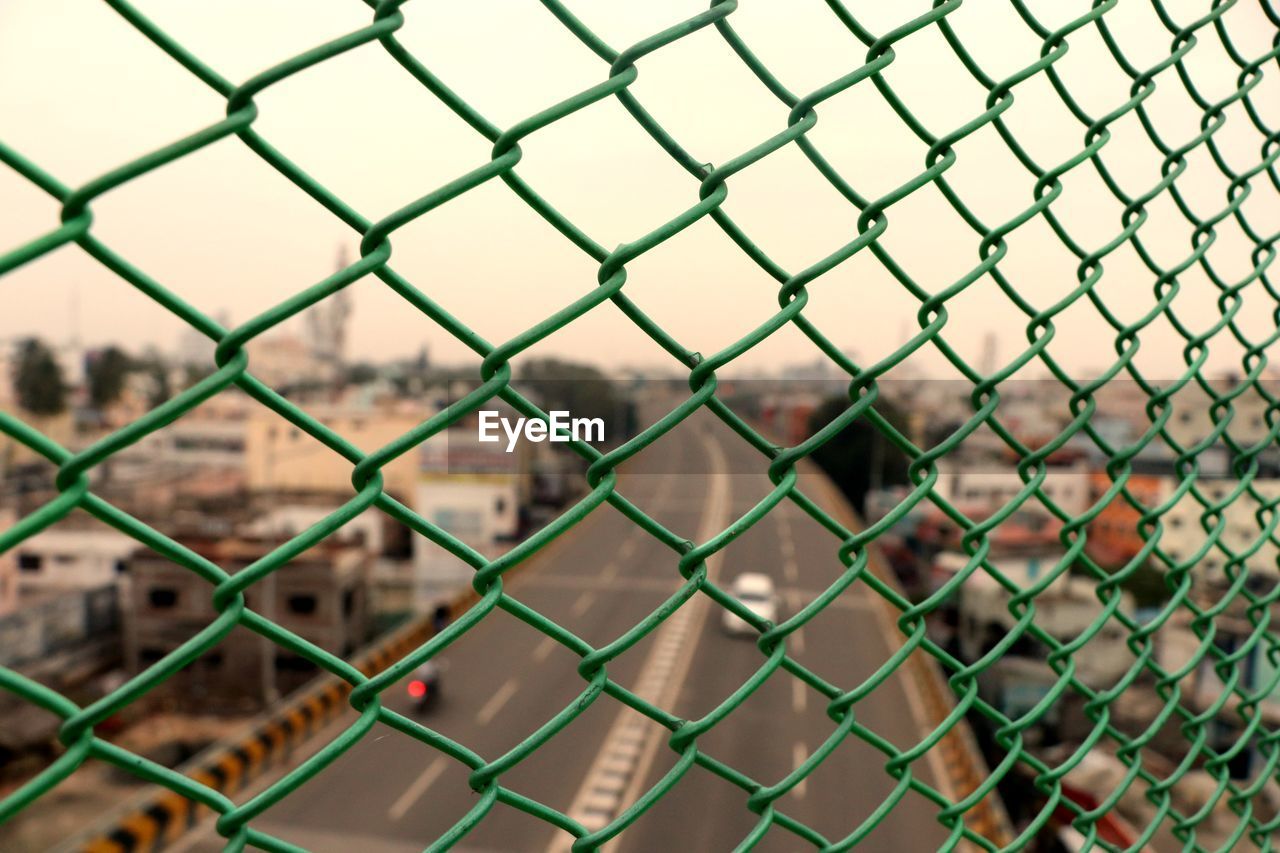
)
(286, 519)
(481, 510)
(1184, 534)
(70, 558)
(473, 491)
(282, 359)
(992, 483)
(1192, 421)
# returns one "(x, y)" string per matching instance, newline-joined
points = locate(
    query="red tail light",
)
(417, 689)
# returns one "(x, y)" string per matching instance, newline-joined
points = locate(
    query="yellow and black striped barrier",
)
(167, 815)
(164, 817)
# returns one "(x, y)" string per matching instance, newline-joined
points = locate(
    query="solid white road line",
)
(687, 633)
(496, 701)
(417, 789)
(583, 604)
(629, 747)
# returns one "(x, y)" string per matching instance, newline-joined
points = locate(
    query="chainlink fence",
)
(1241, 697)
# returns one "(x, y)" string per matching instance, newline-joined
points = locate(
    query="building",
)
(67, 557)
(319, 595)
(67, 641)
(285, 515)
(1064, 609)
(1184, 533)
(283, 360)
(198, 457)
(15, 455)
(474, 491)
(787, 416)
(200, 440)
(1193, 417)
(282, 458)
(8, 567)
(986, 483)
(1114, 538)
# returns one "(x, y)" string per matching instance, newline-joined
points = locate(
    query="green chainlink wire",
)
(77, 731)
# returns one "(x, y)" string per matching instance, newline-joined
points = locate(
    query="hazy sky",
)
(81, 92)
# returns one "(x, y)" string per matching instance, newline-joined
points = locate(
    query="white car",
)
(755, 591)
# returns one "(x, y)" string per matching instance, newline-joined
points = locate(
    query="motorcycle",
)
(424, 686)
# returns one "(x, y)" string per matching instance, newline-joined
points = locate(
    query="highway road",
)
(392, 793)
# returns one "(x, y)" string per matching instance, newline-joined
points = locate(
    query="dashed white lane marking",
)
(799, 696)
(795, 597)
(550, 581)
(799, 598)
(798, 756)
(796, 641)
(417, 789)
(628, 750)
(486, 714)
(544, 648)
(583, 604)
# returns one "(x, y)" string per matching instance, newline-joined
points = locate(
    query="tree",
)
(193, 374)
(360, 373)
(106, 373)
(159, 388)
(860, 457)
(37, 379)
(579, 389)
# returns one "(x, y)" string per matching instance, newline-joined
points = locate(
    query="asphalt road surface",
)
(504, 679)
